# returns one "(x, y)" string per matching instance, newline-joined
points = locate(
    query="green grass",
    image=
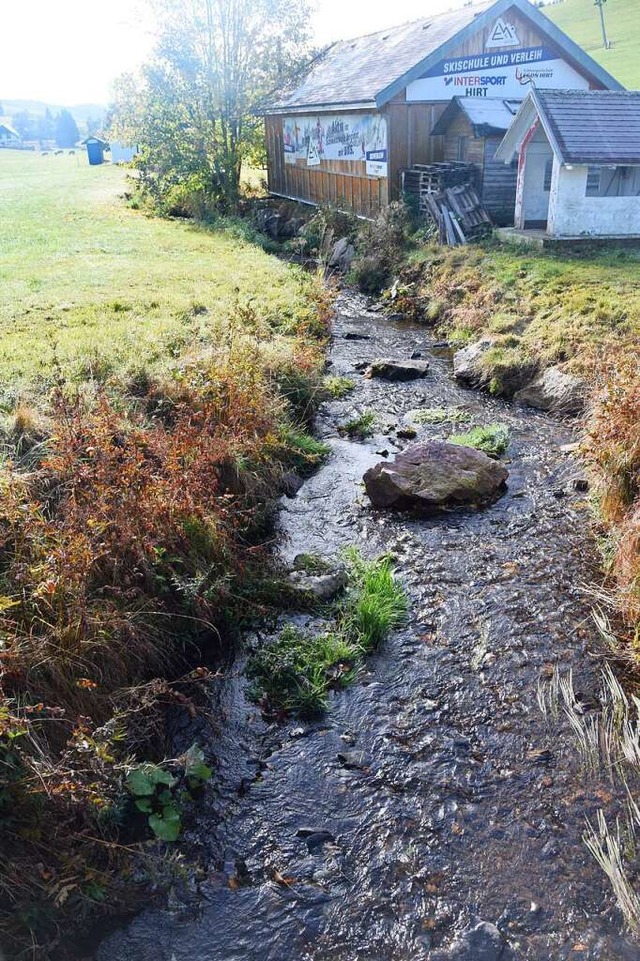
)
(295, 672)
(492, 440)
(439, 415)
(338, 387)
(92, 289)
(359, 427)
(580, 19)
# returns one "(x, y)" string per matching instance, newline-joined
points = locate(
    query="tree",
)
(66, 130)
(194, 110)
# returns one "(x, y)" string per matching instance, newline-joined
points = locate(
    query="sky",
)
(68, 52)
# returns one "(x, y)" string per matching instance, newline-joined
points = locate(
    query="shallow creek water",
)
(448, 796)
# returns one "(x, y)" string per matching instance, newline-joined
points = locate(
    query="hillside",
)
(581, 21)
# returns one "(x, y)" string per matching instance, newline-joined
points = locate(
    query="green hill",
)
(580, 19)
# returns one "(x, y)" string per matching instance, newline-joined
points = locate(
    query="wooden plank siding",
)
(340, 182)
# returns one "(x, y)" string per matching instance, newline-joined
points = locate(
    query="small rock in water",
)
(322, 586)
(397, 370)
(581, 484)
(407, 433)
(416, 354)
(355, 335)
(482, 943)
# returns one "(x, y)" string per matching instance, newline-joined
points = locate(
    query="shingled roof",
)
(370, 70)
(355, 71)
(592, 126)
(487, 117)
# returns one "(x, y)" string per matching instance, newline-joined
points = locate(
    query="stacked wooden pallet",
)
(458, 214)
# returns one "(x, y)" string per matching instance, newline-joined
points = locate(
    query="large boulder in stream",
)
(388, 369)
(483, 942)
(554, 390)
(435, 474)
(467, 363)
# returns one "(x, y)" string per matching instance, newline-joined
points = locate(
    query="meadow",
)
(92, 288)
(580, 19)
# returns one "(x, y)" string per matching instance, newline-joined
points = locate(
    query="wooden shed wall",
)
(333, 181)
(498, 185)
(461, 127)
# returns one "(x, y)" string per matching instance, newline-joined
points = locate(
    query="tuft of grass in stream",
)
(492, 440)
(337, 387)
(439, 415)
(359, 427)
(295, 672)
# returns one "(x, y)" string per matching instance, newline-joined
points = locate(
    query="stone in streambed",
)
(481, 943)
(388, 369)
(435, 474)
(554, 390)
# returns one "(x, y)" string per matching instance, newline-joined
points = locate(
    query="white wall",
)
(572, 214)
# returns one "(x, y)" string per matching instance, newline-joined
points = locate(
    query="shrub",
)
(381, 247)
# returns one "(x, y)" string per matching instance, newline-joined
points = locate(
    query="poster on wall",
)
(358, 137)
(507, 74)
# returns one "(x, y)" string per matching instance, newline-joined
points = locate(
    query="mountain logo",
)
(502, 34)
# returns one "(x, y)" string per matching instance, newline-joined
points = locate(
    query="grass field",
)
(580, 19)
(101, 288)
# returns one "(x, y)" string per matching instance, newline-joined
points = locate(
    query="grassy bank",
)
(543, 309)
(156, 378)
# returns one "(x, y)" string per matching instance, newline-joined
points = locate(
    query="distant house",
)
(8, 136)
(370, 108)
(578, 155)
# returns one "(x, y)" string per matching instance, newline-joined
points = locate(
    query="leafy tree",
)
(66, 130)
(45, 126)
(194, 110)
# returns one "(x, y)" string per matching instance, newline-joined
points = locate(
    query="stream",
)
(446, 797)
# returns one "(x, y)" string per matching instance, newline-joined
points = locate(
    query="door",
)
(537, 183)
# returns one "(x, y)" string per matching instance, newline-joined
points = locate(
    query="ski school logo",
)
(503, 35)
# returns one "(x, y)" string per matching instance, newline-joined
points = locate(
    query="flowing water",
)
(445, 795)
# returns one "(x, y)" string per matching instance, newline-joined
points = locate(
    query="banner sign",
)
(506, 74)
(359, 137)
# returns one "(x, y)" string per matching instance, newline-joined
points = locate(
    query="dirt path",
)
(448, 798)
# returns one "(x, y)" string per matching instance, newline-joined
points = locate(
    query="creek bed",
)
(446, 796)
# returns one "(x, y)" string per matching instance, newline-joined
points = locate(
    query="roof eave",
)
(286, 109)
(496, 10)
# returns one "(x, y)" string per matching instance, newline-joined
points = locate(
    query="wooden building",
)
(370, 107)
(472, 130)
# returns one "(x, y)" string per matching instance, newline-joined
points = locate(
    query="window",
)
(462, 149)
(593, 181)
(548, 173)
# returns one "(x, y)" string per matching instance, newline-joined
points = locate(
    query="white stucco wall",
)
(572, 214)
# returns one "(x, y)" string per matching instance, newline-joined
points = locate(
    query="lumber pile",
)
(458, 214)
(446, 193)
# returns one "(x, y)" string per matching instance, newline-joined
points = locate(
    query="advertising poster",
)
(359, 137)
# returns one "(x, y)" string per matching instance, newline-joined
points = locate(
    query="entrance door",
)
(537, 183)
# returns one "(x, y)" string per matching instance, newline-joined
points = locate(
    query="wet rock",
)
(435, 474)
(317, 840)
(407, 433)
(581, 484)
(322, 586)
(481, 943)
(471, 369)
(291, 484)
(416, 354)
(467, 363)
(342, 254)
(355, 335)
(554, 390)
(396, 370)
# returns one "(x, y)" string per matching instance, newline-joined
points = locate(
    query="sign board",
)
(506, 74)
(502, 35)
(358, 137)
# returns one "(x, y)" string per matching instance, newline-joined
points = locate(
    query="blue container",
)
(95, 151)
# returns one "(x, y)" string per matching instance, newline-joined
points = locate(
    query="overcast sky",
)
(69, 51)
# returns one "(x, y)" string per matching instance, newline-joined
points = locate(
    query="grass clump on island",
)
(295, 672)
(157, 380)
(359, 427)
(492, 440)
